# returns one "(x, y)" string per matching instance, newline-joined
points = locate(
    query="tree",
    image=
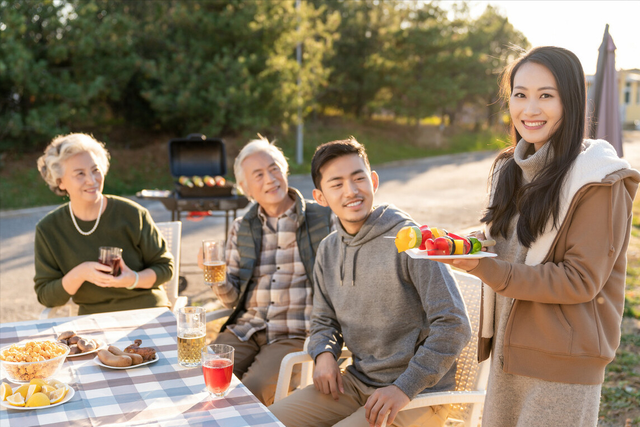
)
(225, 66)
(36, 92)
(357, 75)
(492, 43)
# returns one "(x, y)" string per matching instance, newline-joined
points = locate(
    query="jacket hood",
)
(384, 220)
(598, 163)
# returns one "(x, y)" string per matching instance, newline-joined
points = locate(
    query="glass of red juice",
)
(111, 256)
(217, 367)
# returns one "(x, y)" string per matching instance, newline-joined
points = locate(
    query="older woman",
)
(68, 238)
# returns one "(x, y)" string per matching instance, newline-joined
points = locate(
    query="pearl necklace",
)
(73, 218)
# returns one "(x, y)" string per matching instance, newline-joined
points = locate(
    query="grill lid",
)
(197, 155)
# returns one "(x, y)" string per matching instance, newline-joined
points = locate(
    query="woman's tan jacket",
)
(564, 325)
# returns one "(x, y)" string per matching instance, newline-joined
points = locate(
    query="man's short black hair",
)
(332, 150)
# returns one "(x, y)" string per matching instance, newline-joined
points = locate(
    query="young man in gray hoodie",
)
(404, 320)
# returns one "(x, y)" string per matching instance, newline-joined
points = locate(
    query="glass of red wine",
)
(217, 367)
(111, 256)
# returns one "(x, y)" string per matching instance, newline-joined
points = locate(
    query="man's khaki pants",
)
(257, 363)
(310, 408)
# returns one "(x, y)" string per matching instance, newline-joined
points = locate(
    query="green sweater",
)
(124, 224)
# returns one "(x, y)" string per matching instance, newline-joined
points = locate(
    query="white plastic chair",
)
(217, 314)
(172, 233)
(471, 378)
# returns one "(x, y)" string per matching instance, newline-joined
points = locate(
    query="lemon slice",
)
(57, 395)
(15, 400)
(46, 389)
(38, 381)
(5, 391)
(38, 399)
(23, 389)
(33, 388)
(55, 383)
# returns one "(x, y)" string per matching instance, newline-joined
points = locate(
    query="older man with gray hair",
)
(270, 255)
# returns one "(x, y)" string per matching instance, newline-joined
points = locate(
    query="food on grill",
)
(186, 181)
(209, 181)
(147, 353)
(220, 181)
(197, 181)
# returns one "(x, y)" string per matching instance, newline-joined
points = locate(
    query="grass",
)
(620, 402)
(141, 160)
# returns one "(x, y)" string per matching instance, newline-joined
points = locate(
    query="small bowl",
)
(24, 372)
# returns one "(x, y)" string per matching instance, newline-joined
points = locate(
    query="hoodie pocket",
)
(541, 327)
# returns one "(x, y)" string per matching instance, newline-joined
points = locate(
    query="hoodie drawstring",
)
(353, 268)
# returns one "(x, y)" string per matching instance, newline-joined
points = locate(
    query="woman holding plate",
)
(560, 212)
(68, 239)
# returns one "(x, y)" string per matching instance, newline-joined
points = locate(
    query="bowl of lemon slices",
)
(38, 393)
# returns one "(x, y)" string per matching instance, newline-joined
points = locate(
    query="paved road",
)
(448, 191)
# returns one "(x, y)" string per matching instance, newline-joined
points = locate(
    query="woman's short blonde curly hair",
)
(61, 148)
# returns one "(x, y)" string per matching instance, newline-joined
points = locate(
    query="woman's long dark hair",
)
(537, 201)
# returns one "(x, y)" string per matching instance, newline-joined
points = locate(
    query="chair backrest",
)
(469, 374)
(172, 232)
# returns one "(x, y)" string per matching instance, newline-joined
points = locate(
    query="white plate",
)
(418, 254)
(100, 345)
(67, 398)
(98, 362)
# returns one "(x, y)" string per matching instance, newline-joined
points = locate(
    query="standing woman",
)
(560, 212)
(68, 238)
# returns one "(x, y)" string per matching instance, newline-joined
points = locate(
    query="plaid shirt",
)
(280, 295)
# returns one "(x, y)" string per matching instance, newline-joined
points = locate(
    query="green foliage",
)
(221, 67)
(621, 390)
(213, 67)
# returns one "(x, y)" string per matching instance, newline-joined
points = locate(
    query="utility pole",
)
(299, 144)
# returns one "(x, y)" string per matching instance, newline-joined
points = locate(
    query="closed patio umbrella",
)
(605, 118)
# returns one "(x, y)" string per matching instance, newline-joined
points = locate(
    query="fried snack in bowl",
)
(25, 361)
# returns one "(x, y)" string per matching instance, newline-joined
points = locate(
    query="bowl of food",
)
(25, 361)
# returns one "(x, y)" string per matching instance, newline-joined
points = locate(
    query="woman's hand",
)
(89, 271)
(463, 264)
(125, 279)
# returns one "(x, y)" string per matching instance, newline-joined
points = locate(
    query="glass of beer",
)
(192, 329)
(215, 267)
(110, 256)
(217, 368)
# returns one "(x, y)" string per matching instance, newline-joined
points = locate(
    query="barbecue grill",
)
(197, 155)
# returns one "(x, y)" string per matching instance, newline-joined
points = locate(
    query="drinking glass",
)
(110, 256)
(215, 267)
(217, 368)
(192, 330)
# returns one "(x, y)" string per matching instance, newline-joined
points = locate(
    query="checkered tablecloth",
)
(162, 393)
